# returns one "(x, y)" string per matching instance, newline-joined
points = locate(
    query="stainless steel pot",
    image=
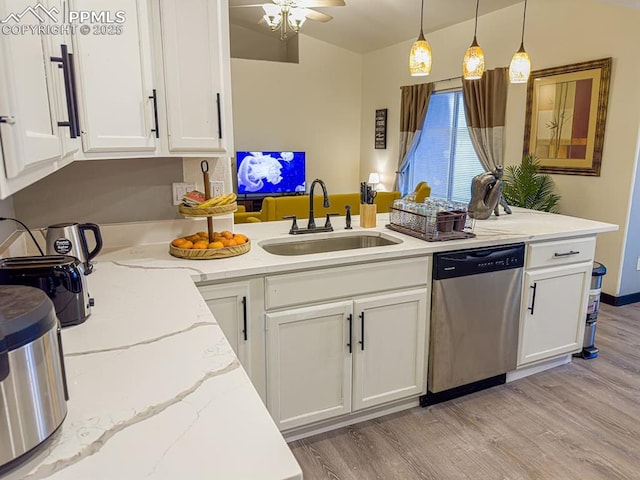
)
(33, 390)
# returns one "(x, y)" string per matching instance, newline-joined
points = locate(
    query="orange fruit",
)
(178, 242)
(193, 238)
(224, 241)
(187, 244)
(227, 234)
(240, 238)
(201, 245)
(216, 245)
(203, 234)
(231, 243)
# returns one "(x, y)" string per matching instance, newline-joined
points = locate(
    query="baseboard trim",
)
(620, 301)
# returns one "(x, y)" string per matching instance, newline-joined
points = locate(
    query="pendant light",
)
(420, 57)
(520, 67)
(473, 62)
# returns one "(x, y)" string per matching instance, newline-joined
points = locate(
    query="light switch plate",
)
(179, 190)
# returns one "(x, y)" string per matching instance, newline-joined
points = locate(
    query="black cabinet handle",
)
(8, 119)
(533, 299)
(219, 116)
(63, 63)
(154, 97)
(566, 254)
(350, 320)
(244, 317)
(74, 92)
(361, 342)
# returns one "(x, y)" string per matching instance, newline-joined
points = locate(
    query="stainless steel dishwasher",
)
(475, 308)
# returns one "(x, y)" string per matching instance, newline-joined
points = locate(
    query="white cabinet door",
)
(390, 349)
(308, 364)
(115, 80)
(30, 134)
(195, 39)
(230, 305)
(553, 311)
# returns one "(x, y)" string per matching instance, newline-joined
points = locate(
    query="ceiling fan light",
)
(520, 66)
(273, 21)
(297, 17)
(473, 62)
(420, 58)
(271, 9)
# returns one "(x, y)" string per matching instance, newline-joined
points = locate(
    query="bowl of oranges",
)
(198, 247)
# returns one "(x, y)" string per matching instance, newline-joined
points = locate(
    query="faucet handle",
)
(327, 222)
(294, 225)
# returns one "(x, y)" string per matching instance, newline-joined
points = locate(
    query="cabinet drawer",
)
(340, 282)
(561, 252)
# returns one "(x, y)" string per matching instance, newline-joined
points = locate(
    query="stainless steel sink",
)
(328, 244)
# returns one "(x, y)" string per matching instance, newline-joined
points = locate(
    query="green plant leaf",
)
(525, 186)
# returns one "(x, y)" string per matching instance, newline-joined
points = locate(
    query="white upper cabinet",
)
(115, 78)
(32, 95)
(195, 57)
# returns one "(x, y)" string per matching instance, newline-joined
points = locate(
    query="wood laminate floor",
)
(578, 421)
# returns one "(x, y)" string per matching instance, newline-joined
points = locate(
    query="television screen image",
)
(270, 172)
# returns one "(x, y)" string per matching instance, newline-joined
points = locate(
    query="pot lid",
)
(26, 314)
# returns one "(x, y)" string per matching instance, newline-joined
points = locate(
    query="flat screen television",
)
(267, 173)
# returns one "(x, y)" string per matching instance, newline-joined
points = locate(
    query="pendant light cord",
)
(421, 17)
(475, 29)
(524, 17)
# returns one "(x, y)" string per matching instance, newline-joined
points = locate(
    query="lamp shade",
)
(420, 58)
(520, 66)
(374, 177)
(473, 62)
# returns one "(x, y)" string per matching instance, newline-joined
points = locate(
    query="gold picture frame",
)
(566, 116)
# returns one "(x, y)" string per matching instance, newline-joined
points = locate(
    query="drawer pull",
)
(244, 318)
(566, 254)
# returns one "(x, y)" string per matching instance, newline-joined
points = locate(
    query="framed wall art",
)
(381, 128)
(566, 116)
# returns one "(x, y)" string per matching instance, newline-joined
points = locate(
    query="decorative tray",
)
(207, 212)
(210, 253)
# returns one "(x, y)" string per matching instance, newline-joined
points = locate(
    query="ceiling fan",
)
(290, 14)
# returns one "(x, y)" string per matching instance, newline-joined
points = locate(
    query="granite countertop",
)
(156, 390)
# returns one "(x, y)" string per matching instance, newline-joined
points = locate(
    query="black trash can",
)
(589, 349)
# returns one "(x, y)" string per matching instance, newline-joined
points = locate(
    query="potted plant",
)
(525, 186)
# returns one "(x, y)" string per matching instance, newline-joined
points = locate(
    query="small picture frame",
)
(381, 129)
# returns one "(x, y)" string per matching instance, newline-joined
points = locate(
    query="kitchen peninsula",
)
(158, 392)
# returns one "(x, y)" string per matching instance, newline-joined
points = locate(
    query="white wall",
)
(312, 106)
(558, 32)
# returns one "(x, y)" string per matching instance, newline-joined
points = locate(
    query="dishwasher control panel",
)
(478, 260)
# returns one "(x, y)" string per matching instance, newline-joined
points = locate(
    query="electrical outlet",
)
(179, 189)
(638, 264)
(217, 188)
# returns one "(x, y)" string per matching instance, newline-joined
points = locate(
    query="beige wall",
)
(558, 32)
(312, 106)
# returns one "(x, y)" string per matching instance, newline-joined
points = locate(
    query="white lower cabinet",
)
(238, 308)
(334, 358)
(553, 311)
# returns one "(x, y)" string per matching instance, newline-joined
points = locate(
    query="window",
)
(444, 156)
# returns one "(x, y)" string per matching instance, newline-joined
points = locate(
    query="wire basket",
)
(432, 226)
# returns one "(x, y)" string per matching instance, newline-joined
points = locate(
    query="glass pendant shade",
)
(473, 62)
(420, 57)
(296, 18)
(520, 67)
